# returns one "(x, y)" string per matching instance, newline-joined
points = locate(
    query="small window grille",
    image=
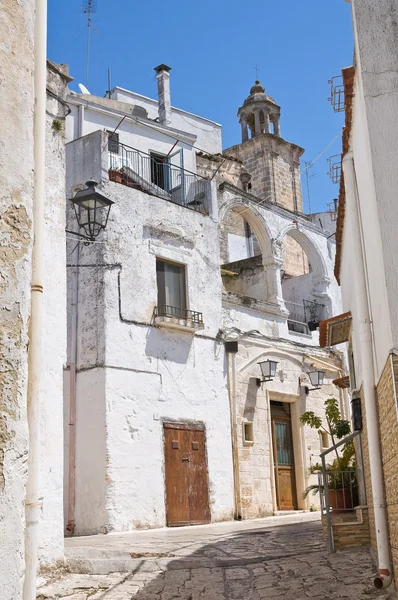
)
(337, 93)
(248, 433)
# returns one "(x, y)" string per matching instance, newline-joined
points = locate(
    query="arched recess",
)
(255, 219)
(304, 280)
(315, 257)
(246, 252)
(270, 353)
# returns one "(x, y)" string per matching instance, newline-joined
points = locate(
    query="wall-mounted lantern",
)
(356, 411)
(268, 370)
(91, 210)
(316, 378)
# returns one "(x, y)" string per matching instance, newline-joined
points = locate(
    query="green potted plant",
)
(341, 471)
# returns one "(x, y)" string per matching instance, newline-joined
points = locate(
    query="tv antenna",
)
(308, 166)
(89, 7)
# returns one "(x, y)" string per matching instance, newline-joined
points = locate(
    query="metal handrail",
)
(166, 310)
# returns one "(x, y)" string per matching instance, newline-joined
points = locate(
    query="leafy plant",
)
(336, 426)
(341, 471)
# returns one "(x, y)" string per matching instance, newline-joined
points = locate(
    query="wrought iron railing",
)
(165, 310)
(304, 317)
(343, 490)
(160, 177)
(337, 93)
(339, 490)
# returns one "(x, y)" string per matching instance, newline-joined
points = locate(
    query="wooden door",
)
(284, 463)
(187, 494)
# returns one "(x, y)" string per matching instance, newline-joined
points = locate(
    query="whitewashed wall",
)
(138, 375)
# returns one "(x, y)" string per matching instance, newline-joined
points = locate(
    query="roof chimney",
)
(163, 77)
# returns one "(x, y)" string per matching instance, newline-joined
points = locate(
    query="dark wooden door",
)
(187, 493)
(284, 464)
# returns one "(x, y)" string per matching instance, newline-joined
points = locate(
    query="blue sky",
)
(213, 47)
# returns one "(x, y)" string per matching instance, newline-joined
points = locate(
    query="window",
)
(324, 439)
(113, 142)
(248, 434)
(171, 288)
(159, 170)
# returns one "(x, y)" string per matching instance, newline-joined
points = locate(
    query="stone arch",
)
(255, 220)
(271, 353)
(315, 257)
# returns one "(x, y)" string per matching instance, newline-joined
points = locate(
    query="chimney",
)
(163, 77)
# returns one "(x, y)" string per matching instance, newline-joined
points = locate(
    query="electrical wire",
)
(321, 154)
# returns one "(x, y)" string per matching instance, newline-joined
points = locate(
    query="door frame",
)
(186, 425)
(298, 440)
(294, 490)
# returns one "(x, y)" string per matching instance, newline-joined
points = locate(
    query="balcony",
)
(178, 318)
(159, 177)
(337, 93)
(304, 318)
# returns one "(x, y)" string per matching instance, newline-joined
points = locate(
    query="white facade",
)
(136, 372)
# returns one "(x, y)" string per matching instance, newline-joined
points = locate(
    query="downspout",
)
(234, 433)
(72, 394)
(369, 389)
(32, 506)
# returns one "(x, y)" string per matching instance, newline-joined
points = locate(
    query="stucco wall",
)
(16, 174)
(148, 374)
(54, 330)
(376, 50)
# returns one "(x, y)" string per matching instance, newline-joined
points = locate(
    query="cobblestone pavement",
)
(288, 561)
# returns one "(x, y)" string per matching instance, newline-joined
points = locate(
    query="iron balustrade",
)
(304, 317)
(165, 310)
(161, 178)
(328, 481)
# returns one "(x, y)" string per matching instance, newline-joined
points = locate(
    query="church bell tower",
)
(272, 162)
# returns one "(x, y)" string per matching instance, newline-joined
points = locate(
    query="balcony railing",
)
(304, 317)
(158, 177)
(337, 93)
(165, 310)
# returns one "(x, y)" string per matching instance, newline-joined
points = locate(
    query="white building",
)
(206, 267)
(366, 264)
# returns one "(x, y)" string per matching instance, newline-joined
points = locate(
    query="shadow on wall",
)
(289, 561)
(173, 347)
(251, 399)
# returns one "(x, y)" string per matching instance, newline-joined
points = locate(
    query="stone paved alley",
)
(270, 558)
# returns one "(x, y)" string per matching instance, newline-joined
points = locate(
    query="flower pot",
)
(115, 176)
(342, 500)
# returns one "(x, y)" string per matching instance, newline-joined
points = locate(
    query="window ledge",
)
(181, 324)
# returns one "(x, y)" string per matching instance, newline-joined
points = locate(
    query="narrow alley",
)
(277, 557)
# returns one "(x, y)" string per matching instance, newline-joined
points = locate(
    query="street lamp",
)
(91, 210)
(268, 370)
(316, 378)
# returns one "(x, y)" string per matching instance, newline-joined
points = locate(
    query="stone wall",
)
(349, 530)
(274, 166)
(16, 175)
(388, 423)
(295, 260)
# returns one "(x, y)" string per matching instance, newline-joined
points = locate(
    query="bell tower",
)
(259, 114)
(271, 163)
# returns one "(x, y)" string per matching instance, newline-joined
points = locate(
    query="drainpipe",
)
(369, 389)
(234, 432)
(72, 394)
(32, 506)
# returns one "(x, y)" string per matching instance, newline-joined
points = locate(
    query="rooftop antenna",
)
(308, 176)
(89, 7)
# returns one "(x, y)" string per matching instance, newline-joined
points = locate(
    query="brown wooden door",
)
(284, 464)
(187, 494)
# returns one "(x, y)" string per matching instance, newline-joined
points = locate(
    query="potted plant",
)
(341, 471)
